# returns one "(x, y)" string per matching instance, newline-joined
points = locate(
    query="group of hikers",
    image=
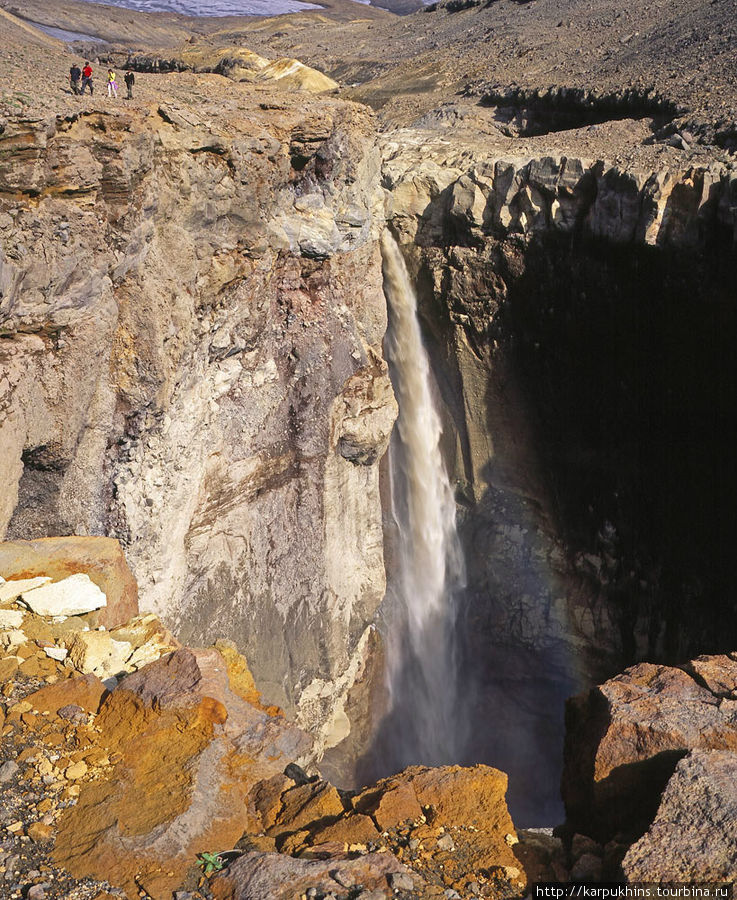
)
(80, 79)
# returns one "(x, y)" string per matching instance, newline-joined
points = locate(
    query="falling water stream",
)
(427, 723)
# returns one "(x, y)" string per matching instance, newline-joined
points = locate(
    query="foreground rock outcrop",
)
(632, 746)
(694, 834)
(174, 758)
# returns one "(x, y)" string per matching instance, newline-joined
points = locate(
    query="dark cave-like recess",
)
(627, 358)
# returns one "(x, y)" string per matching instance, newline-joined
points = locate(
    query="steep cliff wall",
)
(581, 317)
(191, 318)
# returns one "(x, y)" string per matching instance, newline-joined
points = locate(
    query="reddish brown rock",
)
(85, 692)
(184, 678)
(390, 803)
(266, 800)
(189, 754)
(100, 558)
(625, 737)
(694, 835)
(256, 876)
(351, 829)
(306, 805)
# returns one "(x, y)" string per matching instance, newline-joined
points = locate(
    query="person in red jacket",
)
(87, 78)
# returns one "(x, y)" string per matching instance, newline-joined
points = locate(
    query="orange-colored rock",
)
(306, 805)
(394, 803)
(464, 796)
(85, 691)
(171, 796)
(468, 804)
(100, 558)
(351, 829)
(180, 782)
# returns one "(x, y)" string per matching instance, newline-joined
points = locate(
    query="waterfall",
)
(426, 721)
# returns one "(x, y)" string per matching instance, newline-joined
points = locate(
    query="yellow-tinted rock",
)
(186, 752)
(97, 652)
(149, 638)
(296, 75)
(8, 667)
(240, 678)
(307, 804)
(101, 558)
(39, 832)
(76, 770)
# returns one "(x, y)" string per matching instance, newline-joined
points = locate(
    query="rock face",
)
(559, 420)
(557, 193)
(100, 558)
(625, 738)
(192, 318)
(144, 825)
(694, 834)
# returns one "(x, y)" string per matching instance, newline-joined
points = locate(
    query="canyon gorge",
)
(394, 358)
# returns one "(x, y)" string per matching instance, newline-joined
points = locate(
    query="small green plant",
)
(210, 862)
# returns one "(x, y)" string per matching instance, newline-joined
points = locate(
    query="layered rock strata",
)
(191, 322)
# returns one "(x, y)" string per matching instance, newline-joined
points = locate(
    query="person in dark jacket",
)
(75, 73)
(130, 80)
(87, 78)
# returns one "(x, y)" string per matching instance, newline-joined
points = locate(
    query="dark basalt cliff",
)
(582, 320)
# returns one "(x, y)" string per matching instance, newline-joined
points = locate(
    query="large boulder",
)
(625, 737)
(188, 752)
(256, 876)
(72, 596)
(100, 558)
(694, 834)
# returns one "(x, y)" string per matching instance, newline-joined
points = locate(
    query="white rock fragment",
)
(72, 596)
(11, 618)
(11, 640)
(11, 590)
(58, 653)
